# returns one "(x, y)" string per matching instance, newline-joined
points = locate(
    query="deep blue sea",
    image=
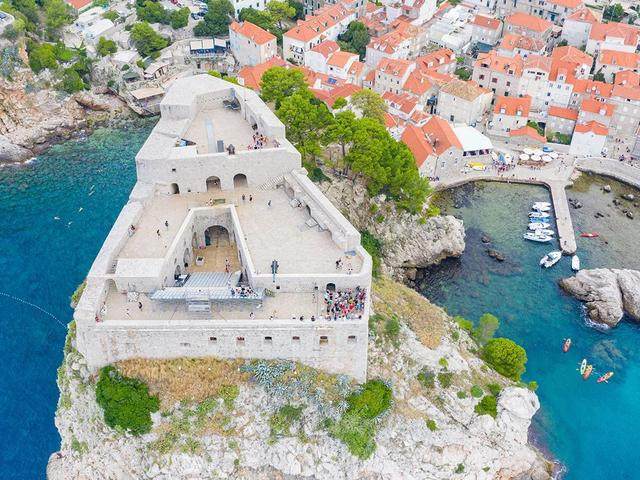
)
(592, 429)
(42, 260)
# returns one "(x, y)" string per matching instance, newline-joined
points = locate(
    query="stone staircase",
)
(272, 183)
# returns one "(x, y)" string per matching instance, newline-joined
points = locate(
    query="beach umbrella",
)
(546, 159)
(536, 158)
(554, 155)
(524, 157)
(529, 151)
(538, 152)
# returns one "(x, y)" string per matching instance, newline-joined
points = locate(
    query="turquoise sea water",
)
(591, 428)
(42, 260)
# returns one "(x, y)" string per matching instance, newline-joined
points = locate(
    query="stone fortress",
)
(226, 248)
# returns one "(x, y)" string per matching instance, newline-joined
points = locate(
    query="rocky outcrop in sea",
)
(33, 117)
(409, 242)
(608, 293)
(429, 433)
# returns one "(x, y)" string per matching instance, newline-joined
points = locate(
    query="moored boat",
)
(546, 231)
(587, 372)
(583, 366)
(550, 259)
(535, 237)
(538, 225)
(575, 263)
(541, 208)
(539, 215)
(538, 220)
(589, 234)
(605, 377)
(566, 345)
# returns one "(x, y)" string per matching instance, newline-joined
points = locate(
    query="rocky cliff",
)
(431, 431)
(608, 293)
(33, 117)
(408, 241)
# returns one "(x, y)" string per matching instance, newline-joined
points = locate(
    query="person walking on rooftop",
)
(166, 224)
(158, 233)
(250, 198)
(269, 204)
(243, 198)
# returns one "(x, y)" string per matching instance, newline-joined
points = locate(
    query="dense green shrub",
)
(506, 357)
(461, 394)
(494, 389)
(487, 326)
(374, 246)
(532, 385)
(426, 378)
(476, 391)
(392, 329)
(487, 406)
(463, 323)
(126, 401)
(372, 400)
(459, 468)
(443, 362)
(281, 421)
(445, 379)
(431, 425)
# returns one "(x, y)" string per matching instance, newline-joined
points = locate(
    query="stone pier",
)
(566, 235)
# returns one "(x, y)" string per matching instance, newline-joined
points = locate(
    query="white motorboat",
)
(575, 263)
(539, 215)
(545, 231)
(550, 259)
(538, 225)
(541, 208)
(535, 237)
(542, 203)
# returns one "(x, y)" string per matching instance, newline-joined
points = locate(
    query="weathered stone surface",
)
(608, 293)
(407, 242)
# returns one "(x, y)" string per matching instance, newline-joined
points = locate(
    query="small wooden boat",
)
(589, 234)
(566, 345)
(605, 377)
(587, 372)
(583, 366)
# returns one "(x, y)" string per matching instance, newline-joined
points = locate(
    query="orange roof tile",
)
(513, 105)
(394, 67)
(326, 48)
(592, 105)
(340, 59)
(417, 83)
(628, 78)
(529, 22)
(252, 76)
(511, 41)
(528, 131)
(600, 31)
(590, 87)
(436, 59)
(562, 112)
(441, 135)
(567, 3)
(592, 126)
(538, 62)
(619, 59)
(568, 60)
(414, 138)
(79, 4)
(583, 15)
(499, 63)
(253, 32)
(486, 22)
(301, 33)
(622, 91)
(467, 90)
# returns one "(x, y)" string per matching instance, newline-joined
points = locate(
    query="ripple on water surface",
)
(591, 428)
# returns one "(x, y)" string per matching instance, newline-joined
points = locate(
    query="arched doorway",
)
(213, 183)
(240, 181)
(186, 258)
(331, 287)
(216, 236)
(175, 189)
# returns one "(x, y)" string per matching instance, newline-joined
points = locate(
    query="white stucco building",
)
(250, 44)
(225, 247)
(588, 139)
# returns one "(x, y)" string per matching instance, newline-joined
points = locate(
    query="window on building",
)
(324, 340)
(213, 339)
(239, 340)
(295, 339)
(268, 340)
(185, 344)
(352, 339)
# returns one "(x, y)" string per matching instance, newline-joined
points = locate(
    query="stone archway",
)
(216, 235)
(240, 181)
(213, 184)
(175, 189)
(331, 287)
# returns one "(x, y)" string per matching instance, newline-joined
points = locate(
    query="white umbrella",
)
(546, 159)
(536, 158)
(554, 155)
(508, 158)
(524, 157)
(538, 151)
(529, 151)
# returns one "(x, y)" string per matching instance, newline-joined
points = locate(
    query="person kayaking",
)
(567, 345)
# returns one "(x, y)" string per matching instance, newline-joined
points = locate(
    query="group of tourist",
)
(259, 141)
(243, 291)
(341, 304)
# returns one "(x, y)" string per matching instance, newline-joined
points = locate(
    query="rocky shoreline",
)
(409, 242)
(33, 121)
(430, 432)
(608, 293)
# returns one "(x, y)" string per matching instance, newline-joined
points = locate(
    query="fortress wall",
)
(337, 347)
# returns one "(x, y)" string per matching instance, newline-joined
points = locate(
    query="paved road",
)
(611, 168)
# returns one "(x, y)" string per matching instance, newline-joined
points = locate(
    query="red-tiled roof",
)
(513, 106)
(592, 126)
(79, 4)
(592, 105)
(340, 59)
(600, 31)
(567, 3)
(529, 22)
(622, 91)
(619, 59)
(499, 63)
(435, 59)
(511, 42)
(414, 138)
(417, 83)
(326, 48)
(591, 87)
(252, 76)
(253, 32)
(486, 22)
(528, 131)
(441, 135)
(562, 112)
(583, 15)
(394, 67)
(628, 78)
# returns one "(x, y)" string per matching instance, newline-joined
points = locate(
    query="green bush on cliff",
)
(487, 406)
(506, 357)
(126, 401)
(357, 426)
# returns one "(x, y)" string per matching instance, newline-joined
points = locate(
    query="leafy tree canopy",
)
(279, 82)
(57, 14)
(41, 56)
(355, 39)
(146, 40)
(262, 18)
(280, 10)
(106, 47)
(370, 104)
(217, 19)
(487, 326)
(506, 357)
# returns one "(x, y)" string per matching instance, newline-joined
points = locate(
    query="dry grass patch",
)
(184, 379)
(428, 321)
